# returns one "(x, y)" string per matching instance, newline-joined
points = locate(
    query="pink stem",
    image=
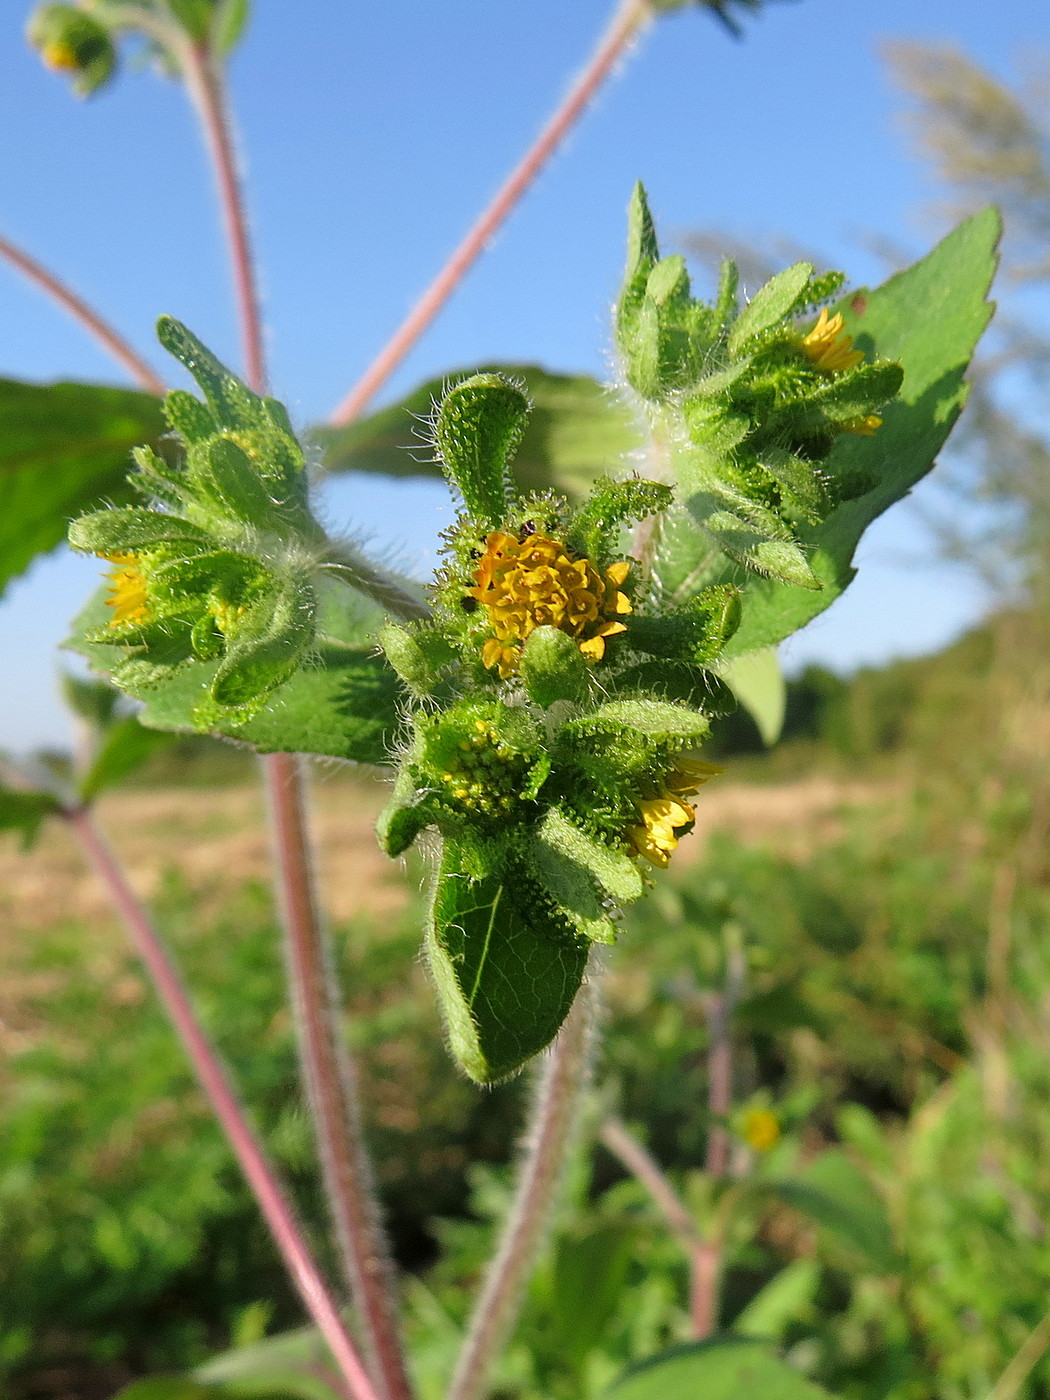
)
(205, 87)
(641, 1164)
(625, 24)
(331, 1083)
(104, 333)
(326, 1066)
(249, 1152)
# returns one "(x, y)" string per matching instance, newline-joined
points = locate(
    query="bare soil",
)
(217, 840)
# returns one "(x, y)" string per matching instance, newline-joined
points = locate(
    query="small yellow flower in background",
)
(533, 583)
(829, 347)
(127, 590)
(60, 57)
(666, 818)
(760, 1129)
(864, 427)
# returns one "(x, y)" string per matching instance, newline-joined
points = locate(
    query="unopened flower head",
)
(536, 582)
(828, 346)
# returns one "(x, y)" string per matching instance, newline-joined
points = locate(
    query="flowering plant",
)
(543, 703)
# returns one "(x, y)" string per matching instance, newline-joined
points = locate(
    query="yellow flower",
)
(760, 1129)
(864, 427)
(60, 57)
(665, 818)
(535, 582)
(829, 347)
(127, 590)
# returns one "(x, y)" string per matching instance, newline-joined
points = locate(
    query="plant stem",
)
(361, 574)
(325, 1062)
(552, 1120)
(92, 322)
(331, 1082)
(205, 85)
(626, 24)
(246, 1146)
(703, 1254)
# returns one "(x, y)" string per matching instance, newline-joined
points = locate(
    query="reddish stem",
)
(626, 23)
(207, 92)
(331, 1082)
(250, 1153)
(104, 333)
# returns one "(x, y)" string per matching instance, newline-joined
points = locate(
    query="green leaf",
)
(772, 301)
(728, 1368)
(125, 746)
(929, 317)
(835, 1193)
(25, 812)
(788, 1297)
(758, 683)
(576, 431)
(344, 703)
(290, 1364)
(63, 449)
(589, 1276)
(227, 26)
(505, 973)
(131, 528)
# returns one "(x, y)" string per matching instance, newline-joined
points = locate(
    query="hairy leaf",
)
(505, 973)
(929, 317)
(63, 449)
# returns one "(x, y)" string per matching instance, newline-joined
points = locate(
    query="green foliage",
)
(834, 1193)
(72, 41)
(758, 683)
(928, 318)
(25, 812)
(125, 746)
(63, 449)
(576, 430)
(726, 1369)
(477, 431)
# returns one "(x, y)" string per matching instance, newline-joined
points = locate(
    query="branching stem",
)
(553, 1117)
(627, 22)
(106, 335)
(250, 1153)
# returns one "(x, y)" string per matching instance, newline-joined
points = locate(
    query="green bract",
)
(220, 565)
(749, 402)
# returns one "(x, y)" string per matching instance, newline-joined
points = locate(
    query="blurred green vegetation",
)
(895, 1006)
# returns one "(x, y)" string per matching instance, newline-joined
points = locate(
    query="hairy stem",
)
(331, 1082)
(249, 1152)
(553, 1117)
(641, 1164)
(325, 1062)
(394, 594)
(106, 335)
(627, 22)
(205, 84)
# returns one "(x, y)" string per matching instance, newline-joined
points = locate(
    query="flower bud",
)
(70, 41)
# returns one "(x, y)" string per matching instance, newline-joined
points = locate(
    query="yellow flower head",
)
(60, 57)
(665, 819)
(127, 591)
(828, 346)
(760, 1129)
(535, 582)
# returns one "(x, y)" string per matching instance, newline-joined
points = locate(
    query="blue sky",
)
(373, 134)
